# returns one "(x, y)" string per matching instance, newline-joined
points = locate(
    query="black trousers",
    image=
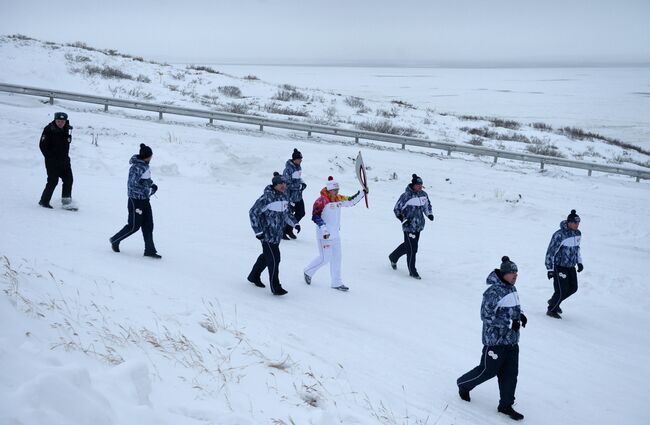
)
(565, 284)
(298, 211)
(269, 258)
(408, 247)
(501, 361)
(140, 217)
(56, 171)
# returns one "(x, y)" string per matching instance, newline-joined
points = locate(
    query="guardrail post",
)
(51, 100)
(160, 115)
(106, 107)
(638, 179)
(210, 121)
(309, 134)
(356, 140)
(403, 146)
(261, 127)
(495, 159)
(448, 152)
(541, 166)
(589, 173)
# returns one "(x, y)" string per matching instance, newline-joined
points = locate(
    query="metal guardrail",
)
(322, 129)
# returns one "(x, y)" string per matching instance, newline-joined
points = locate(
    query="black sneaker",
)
(341, 288)
(511, 412)
(115, 246)
(280, 292)
(415, 276)
(553, 314)
(290, 233)
(464, 394)
(393, 264)
(307, 279)
(256, 281)
(559, 310)
(45, 205)
(153, 255)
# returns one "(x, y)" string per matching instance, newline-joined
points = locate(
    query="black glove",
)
(260, 236)
(580, 267)
(516, 324)
(400, 217)
(430, 217)
(303, 186)
(154, 188)
(550, 274)
(523, 319)
(297, 227)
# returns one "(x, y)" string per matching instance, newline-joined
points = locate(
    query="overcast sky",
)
(403, 32)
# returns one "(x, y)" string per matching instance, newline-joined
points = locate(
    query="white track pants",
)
(329, 251)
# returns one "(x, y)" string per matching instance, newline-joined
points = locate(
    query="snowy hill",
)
(92, 336)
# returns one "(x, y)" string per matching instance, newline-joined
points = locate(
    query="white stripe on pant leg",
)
(274, 271)
(412, 256)
(559, 285)
(319, 261)
(132, 231)
(482, 372)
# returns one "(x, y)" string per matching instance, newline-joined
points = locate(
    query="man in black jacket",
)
(55, 146)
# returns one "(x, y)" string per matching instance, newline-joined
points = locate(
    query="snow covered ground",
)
(91, 336)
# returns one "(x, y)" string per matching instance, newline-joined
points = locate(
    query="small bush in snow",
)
(204, 69)
(180, 75)
(230, 91)
(20, 37)
(393, 113)
(354, 102)
(498, 122)
(286, 95)
(544, 148)
(470, 117)
(476, 141)
(480, 131)
(143, 79)
(387, 127)
(76, 58)
(80, 45)
(107, 72)
(402, 104)
(251, 77)
(331, 112)
(236, 108)
(274, 108)
(542, 126)
(138, 93)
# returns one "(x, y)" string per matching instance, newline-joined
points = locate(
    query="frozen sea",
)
(611, 101)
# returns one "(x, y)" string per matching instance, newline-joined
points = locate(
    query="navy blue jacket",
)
(564, 248)
(293, 176)
(413, 206)
(269, 214)
(139, 184)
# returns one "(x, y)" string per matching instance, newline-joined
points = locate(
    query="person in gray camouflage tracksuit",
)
(410, 209)
(140, 188)
(562, 257)
(268, 217)
(502, 319)
(295, 186)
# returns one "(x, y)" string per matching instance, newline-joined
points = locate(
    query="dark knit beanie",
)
(416, 180)
(296, 154)
(573, 217)
(507, 266)
(60, 116)
(145, 151)
(277, 179)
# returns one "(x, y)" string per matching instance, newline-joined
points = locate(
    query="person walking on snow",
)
(410, 210)
(326, 214)
(140, 188)
(268, 216)
(55, 147)
(562, 257)
(295, 186)
(502, 319)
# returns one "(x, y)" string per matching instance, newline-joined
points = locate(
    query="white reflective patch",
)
(411, 235)
(277, 206)
(146, 174)
(138, 211)
(417, 201)
(563, 275)
(510, 300)
(296, 175)
(572, 241)
(493, 355)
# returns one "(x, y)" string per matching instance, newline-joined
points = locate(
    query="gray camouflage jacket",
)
(499, 308)
(564, 248)
(413, 206)
(269, 214)
(293, 175)
(139, 184)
